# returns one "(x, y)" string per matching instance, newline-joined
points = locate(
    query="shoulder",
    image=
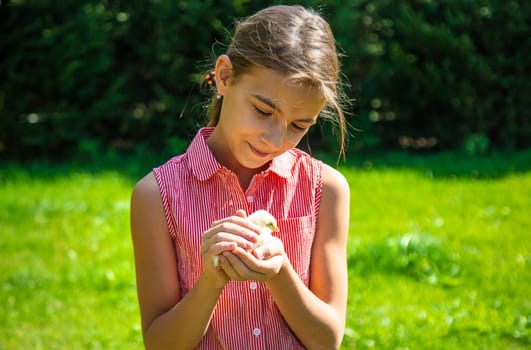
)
(147, 209)
(334, 205)
(334, 181)
(146, 190)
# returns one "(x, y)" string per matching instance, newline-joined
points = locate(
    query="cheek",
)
(293, 139)
(237, 117)
(248, 123)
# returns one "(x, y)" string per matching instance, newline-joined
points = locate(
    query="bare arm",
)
(166, 318)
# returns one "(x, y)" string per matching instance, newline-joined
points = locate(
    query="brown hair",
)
(295, 41)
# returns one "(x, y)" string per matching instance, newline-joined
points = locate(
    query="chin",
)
(255, 164)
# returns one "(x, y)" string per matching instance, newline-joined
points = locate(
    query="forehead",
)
(290, 96)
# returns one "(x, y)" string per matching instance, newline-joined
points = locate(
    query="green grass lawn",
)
(439, 254)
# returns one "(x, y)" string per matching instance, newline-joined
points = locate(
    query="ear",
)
(223, 73)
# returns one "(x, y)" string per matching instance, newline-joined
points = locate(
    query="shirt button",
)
(257, 332)
(252, 285)
(250, 199)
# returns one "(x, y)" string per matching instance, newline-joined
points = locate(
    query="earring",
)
(210, 79)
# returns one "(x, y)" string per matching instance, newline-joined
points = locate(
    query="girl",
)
(279, 74)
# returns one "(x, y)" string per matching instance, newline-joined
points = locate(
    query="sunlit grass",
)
(439, 262)
(67, 277)
(438, 258)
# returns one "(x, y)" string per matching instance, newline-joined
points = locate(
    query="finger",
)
(237, 226)
(219, 248)
(226, 264)
(247, 259)
(210, 239)
(248, 266)
(240, 218)
(271, 247)
(241, 213)
(238, 267)
(229, 237)
(260, 270)
(262, 252)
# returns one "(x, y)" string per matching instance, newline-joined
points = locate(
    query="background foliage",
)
(79, 78)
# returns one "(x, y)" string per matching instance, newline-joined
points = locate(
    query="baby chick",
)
(267, 224)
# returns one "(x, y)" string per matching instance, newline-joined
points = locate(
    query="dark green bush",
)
(447, 73)
(79, 78)
(83, 77)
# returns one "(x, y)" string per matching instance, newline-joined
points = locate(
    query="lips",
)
(258, 153)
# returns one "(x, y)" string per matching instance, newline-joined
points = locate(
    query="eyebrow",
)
(268, 102)
(272, 104)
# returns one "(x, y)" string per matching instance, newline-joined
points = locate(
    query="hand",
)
(226, 235)
(261, 264)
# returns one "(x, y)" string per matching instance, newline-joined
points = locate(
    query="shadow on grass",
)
(131, 166)
(448, 164)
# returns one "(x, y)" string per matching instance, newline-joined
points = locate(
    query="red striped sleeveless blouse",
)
(196, 190)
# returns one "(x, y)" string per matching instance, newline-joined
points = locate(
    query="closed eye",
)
(303, 125)
(261, 112)
(299, 127)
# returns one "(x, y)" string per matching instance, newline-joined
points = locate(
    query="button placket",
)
(255, 316)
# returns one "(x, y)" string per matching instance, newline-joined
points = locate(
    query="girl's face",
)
(263, 115)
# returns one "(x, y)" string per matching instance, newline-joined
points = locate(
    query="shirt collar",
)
(204, 164)
(282, 164)
(202, 161)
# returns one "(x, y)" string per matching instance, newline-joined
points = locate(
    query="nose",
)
(275, 135)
